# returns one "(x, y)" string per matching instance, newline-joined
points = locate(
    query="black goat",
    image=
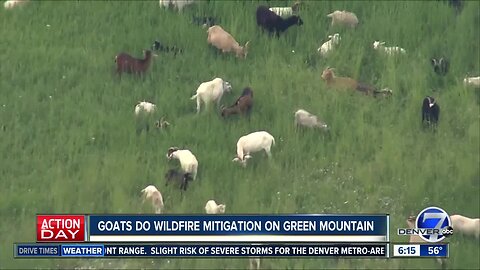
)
(157, 46)
(440, 66)
(273, 23)
(179, 177)
(456, 4)
(204, 21)
(430, 111)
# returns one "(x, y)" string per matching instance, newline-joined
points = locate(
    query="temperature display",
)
(420, 250)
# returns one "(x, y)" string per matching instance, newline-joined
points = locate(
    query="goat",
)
(338, 82)
(188, 161)
(306, 119)
(456, 4)
(243, 105)
(143, 111)
(157, 46)
(179, 177)
(417, 239)
(152, 193)
(273, 23)
(10, 4)
(179, 4)
(465, 225)
(204, 21)
(472, 81)
(380, 46)
(329, 45)
(350, 84)
(128, 64)
(211, 91)
(251, 143)
(343, 18)
(144, 107)
(430, 111)
(222, 40)
(213, 208)
(162, 123)
(254, 263)
(440, 66)
(286, 11)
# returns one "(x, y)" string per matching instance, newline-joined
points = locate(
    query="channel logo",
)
(432, 224)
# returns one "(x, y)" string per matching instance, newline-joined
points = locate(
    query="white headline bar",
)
(237, 238)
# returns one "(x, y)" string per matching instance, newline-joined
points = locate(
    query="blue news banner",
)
(238, 228)
(31, 250)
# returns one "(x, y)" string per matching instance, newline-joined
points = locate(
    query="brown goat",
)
(348, 83)
(127, 63)
(225, 42)
(338, 82)
(243, 105)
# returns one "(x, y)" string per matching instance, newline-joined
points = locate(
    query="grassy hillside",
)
(58, 91)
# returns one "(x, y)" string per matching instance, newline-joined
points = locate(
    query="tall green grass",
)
(58, 91)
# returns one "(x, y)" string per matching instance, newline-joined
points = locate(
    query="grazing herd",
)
(276, 20)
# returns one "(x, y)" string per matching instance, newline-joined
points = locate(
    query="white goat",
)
(222, 40)
(179, 4)
(380, 45)
(145, 107)
(286, 11)
(417, 239)
(213, 208)
(343, 18)
(13, 3)
(329, 45)
(152, 193)
(254, 263)
(251, 143)
(188, 161)
(306, 119)
(465, 225)
(211, 91)
(472, 81)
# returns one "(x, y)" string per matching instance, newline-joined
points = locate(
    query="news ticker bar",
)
(421, 250)
(31, 250)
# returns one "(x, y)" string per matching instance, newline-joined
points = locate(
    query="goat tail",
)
(273, 140)
(194, 96)
(115, 58)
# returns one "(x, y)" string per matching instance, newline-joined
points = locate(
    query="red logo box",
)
(60, 228)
